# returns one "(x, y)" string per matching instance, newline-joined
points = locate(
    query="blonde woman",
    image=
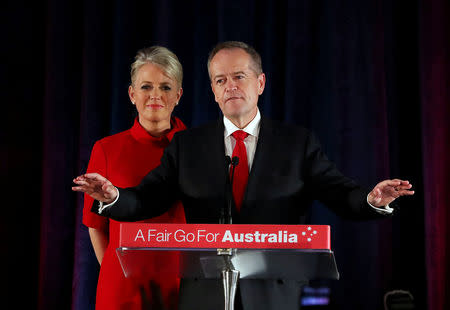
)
(125, 158)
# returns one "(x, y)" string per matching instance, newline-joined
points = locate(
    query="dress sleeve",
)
(97, 163)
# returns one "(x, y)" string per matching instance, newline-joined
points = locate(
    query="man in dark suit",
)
(281, 169)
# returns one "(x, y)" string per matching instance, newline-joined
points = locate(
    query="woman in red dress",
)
(125, 158)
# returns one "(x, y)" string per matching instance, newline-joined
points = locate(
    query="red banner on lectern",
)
(224, 236)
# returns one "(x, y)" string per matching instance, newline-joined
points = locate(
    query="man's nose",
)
(231, 85)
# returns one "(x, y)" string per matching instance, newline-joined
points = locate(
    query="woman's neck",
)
(155, 128)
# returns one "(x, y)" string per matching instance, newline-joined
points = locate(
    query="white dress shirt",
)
(250, 142)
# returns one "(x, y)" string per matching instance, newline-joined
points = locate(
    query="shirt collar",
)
(252, 128)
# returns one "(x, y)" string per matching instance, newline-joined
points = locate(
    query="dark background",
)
(369, 77)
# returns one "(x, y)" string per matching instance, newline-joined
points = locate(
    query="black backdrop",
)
(369, 77)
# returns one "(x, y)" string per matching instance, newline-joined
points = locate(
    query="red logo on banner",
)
(224, 236)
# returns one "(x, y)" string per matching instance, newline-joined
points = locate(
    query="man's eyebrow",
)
(218, 76)
(233, 73)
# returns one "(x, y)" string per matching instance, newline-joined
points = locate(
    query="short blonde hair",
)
(163, 58)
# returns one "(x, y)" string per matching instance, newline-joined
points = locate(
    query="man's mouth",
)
(233, 98)
(155, 106)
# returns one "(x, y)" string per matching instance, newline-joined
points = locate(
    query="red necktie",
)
(241, 171)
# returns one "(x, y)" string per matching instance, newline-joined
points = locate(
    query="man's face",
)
(235, 84)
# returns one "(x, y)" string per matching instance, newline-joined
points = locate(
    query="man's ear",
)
(261, 83)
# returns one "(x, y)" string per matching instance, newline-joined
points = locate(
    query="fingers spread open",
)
(94, 176)
(405, 193)
(394, 182)
(80, 182)
(78, 189)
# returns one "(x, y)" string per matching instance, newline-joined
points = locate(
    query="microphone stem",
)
(234, 163)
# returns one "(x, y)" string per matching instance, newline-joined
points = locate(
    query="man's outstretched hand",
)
(387, 191)
(96, 186)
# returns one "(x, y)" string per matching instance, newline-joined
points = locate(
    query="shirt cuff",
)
(102, 207)
(382, 210)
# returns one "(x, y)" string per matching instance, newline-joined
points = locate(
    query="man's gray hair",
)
(255, 65)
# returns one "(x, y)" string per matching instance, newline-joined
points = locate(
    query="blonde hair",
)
(163, 58)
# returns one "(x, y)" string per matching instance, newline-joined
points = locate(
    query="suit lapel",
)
(215, 148)
(262, 158)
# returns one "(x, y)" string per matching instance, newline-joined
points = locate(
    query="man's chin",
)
(234, 114)
(239, 114)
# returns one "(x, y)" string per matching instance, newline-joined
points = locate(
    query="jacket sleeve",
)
(328, 185)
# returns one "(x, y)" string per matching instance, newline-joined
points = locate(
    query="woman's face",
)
(154, 94)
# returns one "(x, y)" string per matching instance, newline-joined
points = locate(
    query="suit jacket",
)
(288, 172)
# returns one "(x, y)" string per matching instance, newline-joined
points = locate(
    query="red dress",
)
(125, 158)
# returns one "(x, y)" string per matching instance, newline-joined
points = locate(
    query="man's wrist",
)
(102, 206)
(383, 210)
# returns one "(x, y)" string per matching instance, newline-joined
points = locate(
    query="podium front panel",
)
(294, 264)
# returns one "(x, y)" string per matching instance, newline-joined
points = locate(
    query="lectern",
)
(228, 252)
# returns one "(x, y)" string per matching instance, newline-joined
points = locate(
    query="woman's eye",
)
(145, 87)
(166, 88)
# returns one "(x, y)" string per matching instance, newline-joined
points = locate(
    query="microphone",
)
(227, 161)
(228, 218)
(222, 219)
(234, 161)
